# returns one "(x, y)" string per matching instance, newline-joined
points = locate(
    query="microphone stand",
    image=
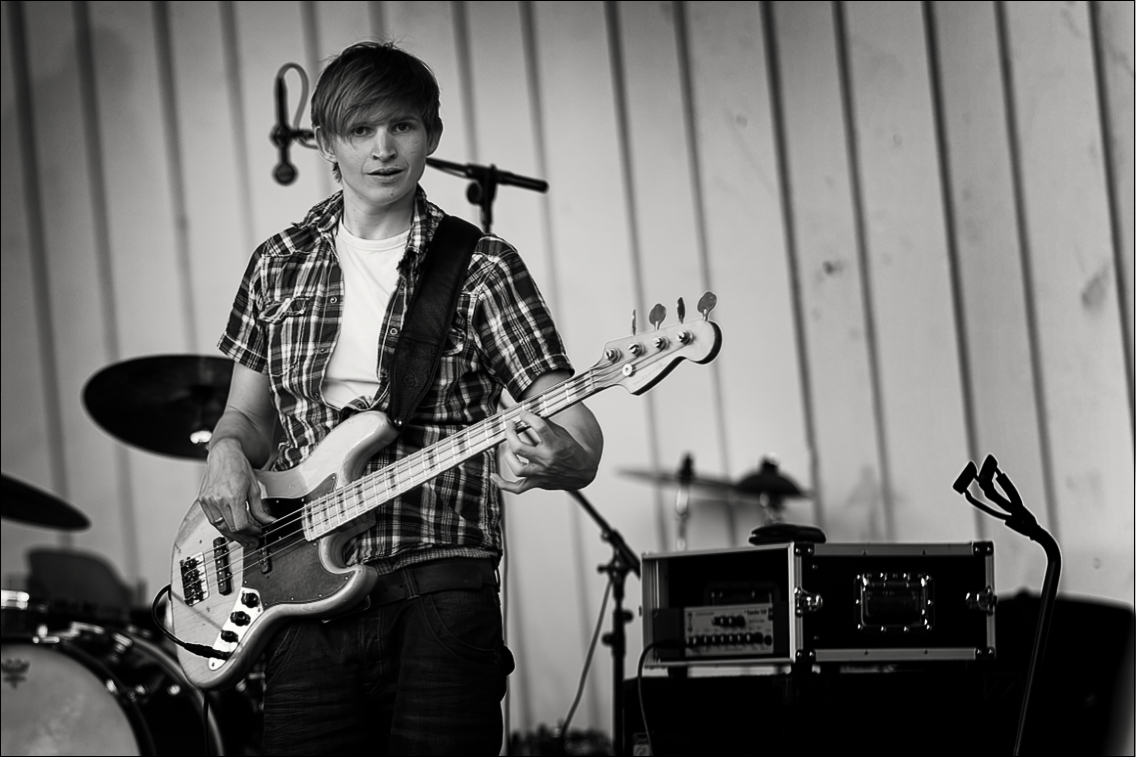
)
(482, 191)
(1017, 517)
(623, 561)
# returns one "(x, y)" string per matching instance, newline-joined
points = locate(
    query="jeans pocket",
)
(467, 623)
(279, 648)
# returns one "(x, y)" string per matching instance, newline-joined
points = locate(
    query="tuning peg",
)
(708, 302)
(634, 328)
(681, 311)
(658, 315)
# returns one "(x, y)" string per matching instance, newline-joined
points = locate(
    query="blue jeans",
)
(421, 675)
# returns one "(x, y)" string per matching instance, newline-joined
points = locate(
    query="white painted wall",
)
(918, 219)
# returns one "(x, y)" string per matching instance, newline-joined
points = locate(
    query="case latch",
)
(984, 601)
(807, 602)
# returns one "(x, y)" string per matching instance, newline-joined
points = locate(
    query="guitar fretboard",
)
(328, 513)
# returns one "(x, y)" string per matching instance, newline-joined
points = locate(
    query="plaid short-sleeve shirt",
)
(285, 322)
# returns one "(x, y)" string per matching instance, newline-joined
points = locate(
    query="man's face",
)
(381, 158)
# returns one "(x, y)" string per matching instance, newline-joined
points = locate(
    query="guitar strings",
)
(452, 443)
(293, 541)
(492, 428)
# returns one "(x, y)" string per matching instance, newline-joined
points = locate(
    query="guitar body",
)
(238, 598)
(229, 600)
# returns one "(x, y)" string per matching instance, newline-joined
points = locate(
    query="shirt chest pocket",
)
(455, 341)
(291, 327)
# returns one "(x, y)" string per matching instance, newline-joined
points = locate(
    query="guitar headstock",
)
(639, 361)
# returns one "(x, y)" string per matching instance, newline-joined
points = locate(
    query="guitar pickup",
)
(194, 587)
(222, 566)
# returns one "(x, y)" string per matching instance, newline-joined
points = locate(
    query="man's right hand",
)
(242, 439)
(230, 494)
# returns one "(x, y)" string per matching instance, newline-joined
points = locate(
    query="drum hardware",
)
(25, 503)
(93, 690)
(767, 486)
(166, 404)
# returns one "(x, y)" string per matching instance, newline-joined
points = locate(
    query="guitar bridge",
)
(194, 587)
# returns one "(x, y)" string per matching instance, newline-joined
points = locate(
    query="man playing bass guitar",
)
(421, 669)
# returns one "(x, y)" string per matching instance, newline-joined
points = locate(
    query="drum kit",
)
(81, 676)
(91, 674)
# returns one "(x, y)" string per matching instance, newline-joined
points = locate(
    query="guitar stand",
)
(623, 561)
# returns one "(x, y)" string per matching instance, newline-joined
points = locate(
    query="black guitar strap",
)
(419, 348)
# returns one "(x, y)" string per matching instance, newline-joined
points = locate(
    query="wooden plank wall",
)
(917, 217)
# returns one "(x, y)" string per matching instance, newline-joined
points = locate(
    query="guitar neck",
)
(347, 503)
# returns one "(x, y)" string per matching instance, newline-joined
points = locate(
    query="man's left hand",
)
(551, 457)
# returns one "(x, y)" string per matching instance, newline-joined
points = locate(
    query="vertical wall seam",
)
(870, 337)
(173, 144)
(231, 52)
(1100, 61)
(464, 54)
(378, 19)
(553, 290)
(465, 75)
(41, 295)
(1009, 94)
(623, 136)
(694, 156)
(958, 300)
(314, 56)
(781, 142)
(105, 265)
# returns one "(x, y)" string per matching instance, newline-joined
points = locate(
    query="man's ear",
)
(324, 145)
(435, 139)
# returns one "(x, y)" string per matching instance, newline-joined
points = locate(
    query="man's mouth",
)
(386, 172)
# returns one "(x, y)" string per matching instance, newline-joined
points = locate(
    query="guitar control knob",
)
(240, 618)
(636, 349)
(613, 355)
(248, 599)
(685, 337)
(229, 636)
(660, 342)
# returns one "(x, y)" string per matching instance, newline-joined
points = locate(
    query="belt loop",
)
(410, 581)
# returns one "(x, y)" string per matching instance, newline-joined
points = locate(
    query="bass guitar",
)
(226, 600)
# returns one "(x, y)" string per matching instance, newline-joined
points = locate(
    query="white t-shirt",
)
(370, 276)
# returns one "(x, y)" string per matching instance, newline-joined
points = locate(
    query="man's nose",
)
(384, 147)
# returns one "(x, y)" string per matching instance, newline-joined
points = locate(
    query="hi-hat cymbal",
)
(27, 504)
(166, 404)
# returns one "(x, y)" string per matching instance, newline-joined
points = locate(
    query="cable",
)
(639, 683)
(301, 136)
(198, 649)
(587, 663)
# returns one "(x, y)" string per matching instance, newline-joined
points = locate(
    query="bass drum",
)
(95, 691)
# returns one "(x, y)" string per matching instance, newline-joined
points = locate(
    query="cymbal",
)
(167, 404)
(704, 485)
(27, 504)
(769, 480)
